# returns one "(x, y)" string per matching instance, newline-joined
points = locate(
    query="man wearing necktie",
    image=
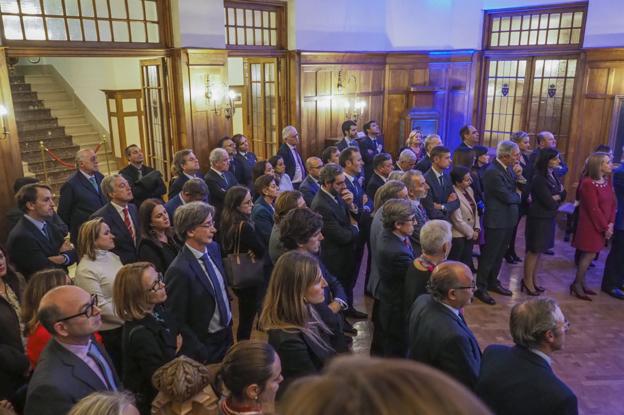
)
(417, 189)
(349, 132)
(72, 365)
(370, 146)
(196, 284)
(219, 179)
(292, 158)
(441, 199)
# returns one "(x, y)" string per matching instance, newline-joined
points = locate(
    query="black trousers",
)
(216, 345)
(613, 276)
(247, 308)
(496, 244)
(112, 343)
(461, 250)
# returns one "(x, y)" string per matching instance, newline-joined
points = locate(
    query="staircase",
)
(45, 111)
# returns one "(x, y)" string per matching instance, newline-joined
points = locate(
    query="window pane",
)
(576, 36)
(151, 12)
(56, 28)
(33, 26)
(153, 36)
(137, 30)
(12, 27)
(75, 32)
(524, 38)
(9, 6)
(564, 37)
(265, 19)
(248, 18)
(533, 37)
(578, 19)
(543, 21)
(53, 7)
(240, 33)
(249, 36)
(273, 17)
(257, 18)
(541, 38)
(265, 37)
(572, 68)
(494, 40)
(514, 40)
(566, 20)
(273, 37)
(258, 37)
(534, 21)
(71, 7)
(104, 29)
(101, 8)
(240, 19)
(505, 21)
(90, 32)
(552, 37)
(231, 19)
(515, 22)
(554, 20)
(496, 24)
(231, 36)
(31, 7)
(120, 32)
(526, 22)
(86, 6)
(118, 9)
(135, 7)
(504, 39)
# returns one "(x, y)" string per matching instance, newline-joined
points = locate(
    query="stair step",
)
(42, 134)
(66, 112)
(73, 129)
(52, 97)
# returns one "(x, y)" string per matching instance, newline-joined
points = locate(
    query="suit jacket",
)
(463, 145)
(61, 379)
(439, 194)
(309, 187)
(150, 185)
(171, 206)
(501, 199)
(289, 160)
(342, 144)
(243, 170)
(358, 195)
(421, 218)
(375, 181)
(516, 381)
(338, 247)
(79, 200)
(29, 248)
(438, 337)
(14, 215)
(369, 151)
(218, 186)
(191, 297)
(126, 247)
(424, 164)
(542, 191)
(464, 219)
(262, 215)
(376, 229)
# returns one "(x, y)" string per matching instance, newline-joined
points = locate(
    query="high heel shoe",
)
(523, 288)
(588, 291)
(539, 288)
(582, 296)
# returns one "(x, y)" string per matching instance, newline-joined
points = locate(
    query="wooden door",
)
(159, 144)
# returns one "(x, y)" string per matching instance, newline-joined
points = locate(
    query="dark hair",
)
(464, 157)
(286, 202)
(223, 140)
(145, 219)
(329, 172)
(231, 217)
(464, 130)
(195, 187)
(248, 362)
(438, 151)
(237, 139)
(327, 153)
(28, 193)
(298, 226)
(367, 126)
(258, 169)
(480, 151)
(543, 157)
(23, 181)
(262, 183)
(603, 148)
(127, 150)
(346, 126)
(458, 173)
(346, 154)
(379, 159)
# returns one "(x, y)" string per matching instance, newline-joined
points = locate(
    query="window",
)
(536, 27)
(116, 21)
(254, 25)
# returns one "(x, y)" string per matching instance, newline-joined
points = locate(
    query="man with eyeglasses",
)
(438, 334)
(310, 185)
(72, 365)
(519, 379)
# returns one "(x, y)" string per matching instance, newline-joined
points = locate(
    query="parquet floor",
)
(592, 361)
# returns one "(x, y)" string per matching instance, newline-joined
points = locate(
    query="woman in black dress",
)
(157, 245)
(237, 226)
(547, 193)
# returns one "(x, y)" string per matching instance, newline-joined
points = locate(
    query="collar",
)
(348, 176)
(385, 179)
(292, 148)
(454, 310)
(189, 176)
(138, 168)
(542, 355)
(79, 350)
(88, 176)
(501, 163)
(38, 223)
(118, 208)
(330, 195)
(197, 254)
(373, 138)
(401, 238)
(243, 154)
(467, 145)
(217, 171)
(181, 198)
(436, 172)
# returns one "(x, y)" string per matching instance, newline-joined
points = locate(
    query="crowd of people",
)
(145, 323)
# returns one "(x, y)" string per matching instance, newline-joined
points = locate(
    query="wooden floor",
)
(592, 361)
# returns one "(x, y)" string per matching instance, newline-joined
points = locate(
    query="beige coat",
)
(463, 220)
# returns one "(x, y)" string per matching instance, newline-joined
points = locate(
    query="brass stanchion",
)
(43, 161)
(103, 143)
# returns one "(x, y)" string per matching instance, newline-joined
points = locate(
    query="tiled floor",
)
(592, 361)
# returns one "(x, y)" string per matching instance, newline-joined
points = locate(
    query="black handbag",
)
(243, 270)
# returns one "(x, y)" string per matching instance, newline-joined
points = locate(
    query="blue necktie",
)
(44, 229)
(106, 370)
(216, 285)
(94, 183)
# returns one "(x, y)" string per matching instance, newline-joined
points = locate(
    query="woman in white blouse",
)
(96, 273)
(279, 167)
(465, 220)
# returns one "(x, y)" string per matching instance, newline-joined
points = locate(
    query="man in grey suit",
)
(72, 365)
(502, 185)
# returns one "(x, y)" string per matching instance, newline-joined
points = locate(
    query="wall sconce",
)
(353, 107)
(4, 133)
(216, 97)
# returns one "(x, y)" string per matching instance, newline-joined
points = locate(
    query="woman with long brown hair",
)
(284, 203)
(295, 329)
(157, 245)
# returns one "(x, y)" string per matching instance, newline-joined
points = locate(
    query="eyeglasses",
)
(158, 284)
(206, 225)
(466, 287)
(88, 312)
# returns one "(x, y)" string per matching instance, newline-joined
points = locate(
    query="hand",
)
(67, 246)
(475, 234)
(8, 406)
(517, 169)
(178, 343)
(556, 198)
(364, 199)
(437, 206)
(57, 259)
(335, 307)
(608, 234)
(452, 197)
(347, 196)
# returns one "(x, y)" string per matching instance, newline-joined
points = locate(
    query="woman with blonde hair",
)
(295, 330)
(357, 385)
(151, 336)
(414, 142)
(95, 274)
(105, 403)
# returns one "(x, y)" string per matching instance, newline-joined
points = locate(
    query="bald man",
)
(438, 334)
(310, 185)
(72, 365)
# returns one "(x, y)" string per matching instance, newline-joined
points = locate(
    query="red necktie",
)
(128, 223)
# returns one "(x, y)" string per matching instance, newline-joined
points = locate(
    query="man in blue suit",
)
(441, 199)
(219, 179)
(519, 380)
(292, 158)
(469, 137)
(196, 284)
(121, 216)
(371, 145)
(438, 333)
(186, 166)
(349, 139)
(81, 194)
(194, 190)
(310, 185)
(245, 159)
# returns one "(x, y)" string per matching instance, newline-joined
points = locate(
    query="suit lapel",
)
(200, 275)
(79, 369)
(38, 235)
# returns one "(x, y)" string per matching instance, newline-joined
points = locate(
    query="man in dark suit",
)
(545, 139)
(144, 181)
(371, 145)
(393, 255)
(194, 190)
(14, 214)
(441, 199)
(35, 243)
(81, 194)
(310, 185)
(340, 227)
(349, 139)
(438, 333)
(290, 153)
(382, 167)
(121, 216)
(431, 141)
(245, 159)
(72, 364)
(185, 166)
(417, 189)
(196, 284)
(469, 137)
(502, 184)
(219, 179)
(519, 380)
(406, 161)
